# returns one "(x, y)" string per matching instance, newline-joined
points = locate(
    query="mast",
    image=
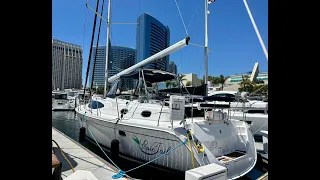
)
(107, 49)
(206, 11)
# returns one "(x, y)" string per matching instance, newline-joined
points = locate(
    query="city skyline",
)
(232, 40)
(172, 68)
(119, 58)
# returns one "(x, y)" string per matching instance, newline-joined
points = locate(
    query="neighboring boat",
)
(65, 101)
(73, 97)
(254, 112)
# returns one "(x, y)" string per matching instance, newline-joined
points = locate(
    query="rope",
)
(123, 173)
(193, 164)
(263, 176)
(63, 155)
(84, 26)
(185, 141)
(181, 18)
(260, 128)
(101, 147)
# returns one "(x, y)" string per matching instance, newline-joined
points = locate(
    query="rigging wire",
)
(181, 18)
(181, 60)
(92, 39)
(95, 56)
(84, 26)
(193, 16)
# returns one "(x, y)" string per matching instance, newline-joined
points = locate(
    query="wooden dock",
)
(83, 160)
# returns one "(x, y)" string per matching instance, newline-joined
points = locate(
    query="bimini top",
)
(150, 75)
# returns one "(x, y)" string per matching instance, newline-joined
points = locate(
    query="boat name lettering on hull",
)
(150, 148)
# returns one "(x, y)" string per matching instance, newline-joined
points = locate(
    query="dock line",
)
(121, 173)
(263, 176)
(63, 155)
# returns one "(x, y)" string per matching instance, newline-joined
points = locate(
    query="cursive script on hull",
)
(150, 148)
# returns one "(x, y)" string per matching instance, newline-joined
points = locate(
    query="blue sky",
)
(232, 39)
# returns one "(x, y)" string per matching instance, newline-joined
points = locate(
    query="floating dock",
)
(84, 162)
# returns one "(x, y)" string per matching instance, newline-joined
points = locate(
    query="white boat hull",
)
(151, 143)
(58, 104)
(257, 122)
(146, 143)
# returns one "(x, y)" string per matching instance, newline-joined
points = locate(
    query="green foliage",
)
(222, 80)
(100, 90)
(252, 87)
(214, 80)
(246, 84)
(217, 80)
(174, 84)
(181, 77)
(168, 83)
(188, 83)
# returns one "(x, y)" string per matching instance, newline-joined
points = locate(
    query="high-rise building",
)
(120, 58)
(123, 58)
(152, 37)
(98, 54)
(66, 65)
(172, 67)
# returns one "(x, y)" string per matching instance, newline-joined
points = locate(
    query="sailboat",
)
(254, 112)
(150, 123)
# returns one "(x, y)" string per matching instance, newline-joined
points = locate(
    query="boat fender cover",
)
(114, 150)
(82, 134)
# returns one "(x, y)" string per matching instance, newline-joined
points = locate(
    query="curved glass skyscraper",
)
(152, 37)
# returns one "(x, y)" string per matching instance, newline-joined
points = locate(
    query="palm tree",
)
(168, 83)
(214, 80)
(181, 77)
(174, 84)
(246, 84)
(222, 80)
